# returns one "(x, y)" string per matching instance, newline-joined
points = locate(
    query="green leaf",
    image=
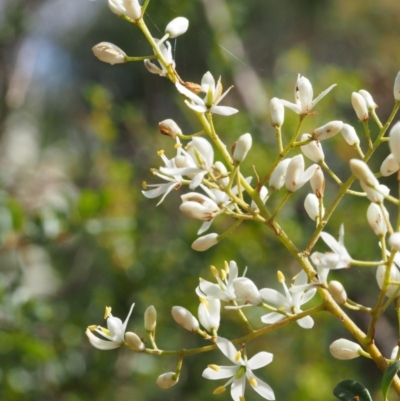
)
(350, 390)
(388, 376)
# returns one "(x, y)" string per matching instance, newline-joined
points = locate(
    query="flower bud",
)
(117, 7)
(311, 204)
(317, 182)
(361, 170)
(277, 179)
(242, 147)
(303, 92)
(371, 105)
(167, 380)
(109, 53)
(205, 242)
(376, 219)
(134, 341)
(328, 130)
(184, 318)
(394, 141)
(151, 67)
(396, 87)
(150, 319)
(133, 9)
(360, 106)
(312, 150)
(392, 289)
(394, 241)
(263, 195)
(198, 206)
(177, 26)
(220, 170)
(376, 194)
(277, 112)
(349, 134)
(170, 128)
(389, 166)
(345, 349)
(337, 291)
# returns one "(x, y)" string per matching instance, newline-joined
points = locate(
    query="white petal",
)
(223, 110)
(271, 318)
(321, 95)
(262, 388)
(292, 106)
(227, 348)
(237, 388)
(222, 373)
(306, 322)
(272, 296)
(259, 360)
(197, 107)
(101, 344)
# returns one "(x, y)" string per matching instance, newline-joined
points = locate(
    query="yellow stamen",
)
(93, 327)
(144, 185)
(238, 356)
(281, 277)
(214, 271)
(107, 312)
(214, 367)
(241, 398)
(253, 382)
(178, 145)
(219, 390)
(223, 274)
(226, 266)
(160, 152)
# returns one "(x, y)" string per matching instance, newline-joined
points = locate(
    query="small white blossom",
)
(317, 182)
(167, 380)
(311, 204)
(166, 50)
(339, 258)
(278, 176)
(312, 150)
(170, 128)
(389, 166)
(242, 147)
(134, 341)
(177, 26)
(328, 130)
(240, 371)
(184, 318)
(350, 135)
(205, 242)
(360, 106)
(209, 313)
(277, 112)
(303, 95)
(296, 177)
(371, 105)
(150, 318)
(290, 302)
(114, 334)
(337, 291)
(376, 219)
(211, 101)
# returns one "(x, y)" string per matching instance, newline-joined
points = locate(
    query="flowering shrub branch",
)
(228, 192)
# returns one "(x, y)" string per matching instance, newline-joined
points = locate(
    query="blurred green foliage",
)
(78, 138)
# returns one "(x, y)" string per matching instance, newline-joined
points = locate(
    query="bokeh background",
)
(78, 138)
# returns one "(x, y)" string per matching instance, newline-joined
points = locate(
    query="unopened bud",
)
(371, 105)
(151, 67)
(389, 166)
(133, 9)
(394, 241)
(328, 130)
(311, 204)
(242, 147)
(150, 319)
(277, 112)
(117, 7)
(361, 170)
(337, 291)
(177, 26)
(317, 182)
(134, 341)
(184, 318)
(396, 87)
(350, 135)
(345, 349)
(109, 53)
(394, 141)
(278, 176)
(170, 128)
(360, 106)
(205, 242)
(167, 380)
(312, 150)
(376, 219)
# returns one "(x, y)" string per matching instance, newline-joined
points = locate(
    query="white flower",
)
(209, 313)
(246, 293)
(198, 161)
(170, 128)
(345, 349)
(240, 371)
(312, 150)
(205, 242)
(289, 303)
(277, 112)
(303, 96)
(338, 259)
(242, 147)
(166, 50)
(224, 290)
(278, 176)
(311, 204)
(296, 177)
(198, 206)
(350, 135)
(130, 8)
(174, 180)
(213, 97)
(184, 318)
(109, 53)
(360, 106)
(115, 332)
